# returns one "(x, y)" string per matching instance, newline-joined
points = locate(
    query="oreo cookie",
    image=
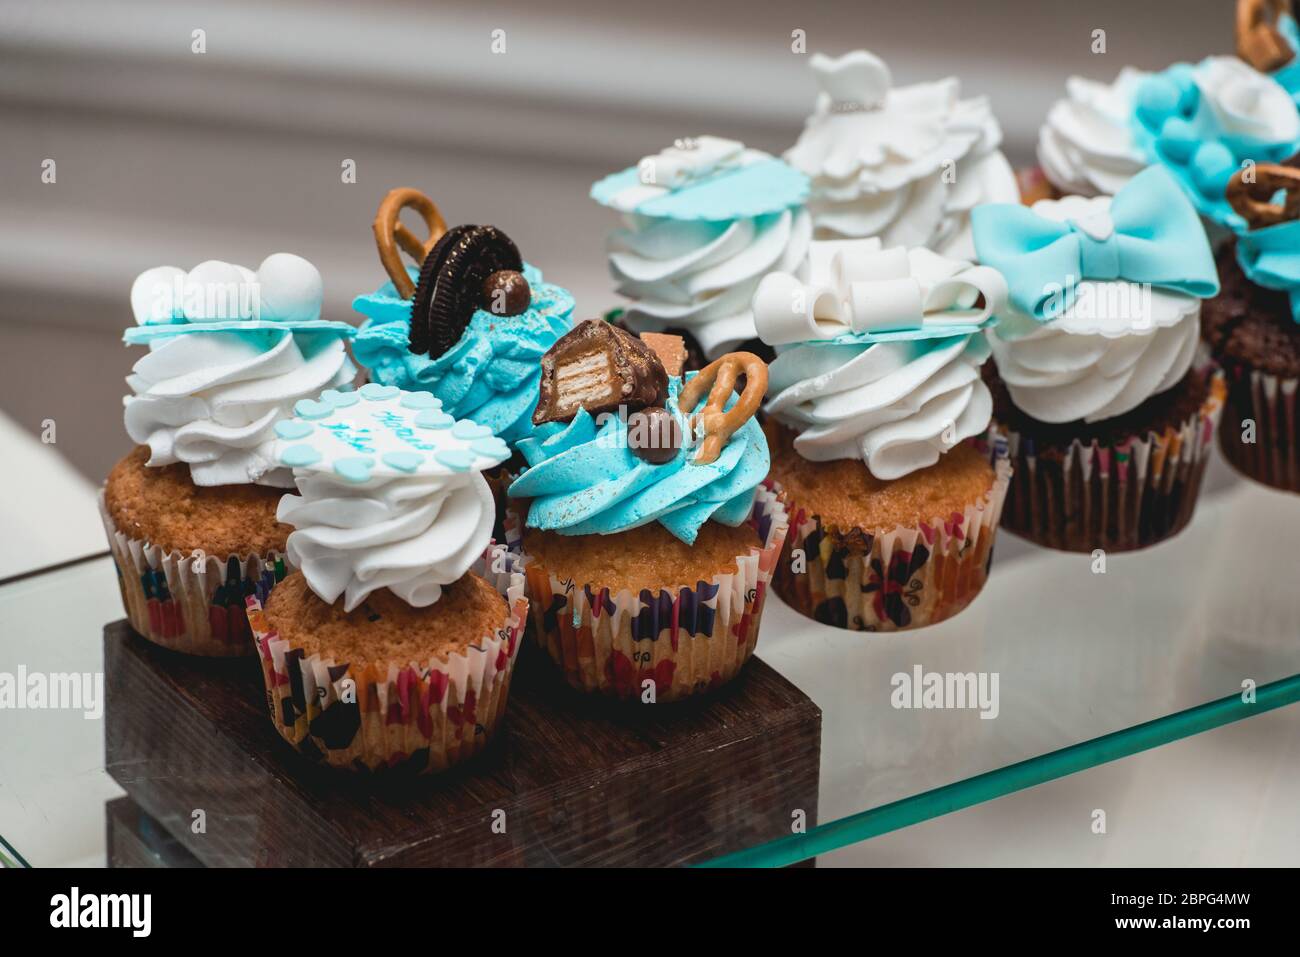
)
(451, 284)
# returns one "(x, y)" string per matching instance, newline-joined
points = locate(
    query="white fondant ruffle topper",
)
(284, 292)
(860, 288)
(903, 163)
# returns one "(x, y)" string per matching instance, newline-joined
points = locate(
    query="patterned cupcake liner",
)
(1269, 401)
(684, 641)
(1117, 498)
(421, 716)
(190, 602)
(906, 578)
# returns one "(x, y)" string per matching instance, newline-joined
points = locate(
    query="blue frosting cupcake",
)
(489, 376)
(584, 478)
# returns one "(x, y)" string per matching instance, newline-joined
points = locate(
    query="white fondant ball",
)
(216, 291)
(290, 288)
(153, 295)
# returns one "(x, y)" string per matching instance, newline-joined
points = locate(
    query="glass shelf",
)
(1090, 667)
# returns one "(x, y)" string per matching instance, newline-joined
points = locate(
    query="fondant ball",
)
(1212, 167)
(1178, 139)
(216, 291)
(289, 288)
(153, 295)
(1157, 99)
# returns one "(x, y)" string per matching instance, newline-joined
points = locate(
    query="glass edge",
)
(1000, 782)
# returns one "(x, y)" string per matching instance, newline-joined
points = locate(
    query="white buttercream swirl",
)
(701, 276)
(896, 405)
(1117, 345)
(410, 534)
(1086, 145)
(907, 164)
(211, 399)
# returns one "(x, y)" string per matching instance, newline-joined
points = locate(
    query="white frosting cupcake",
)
(1086, 146)
(906, 164)
(703, 222)
(1117, 345)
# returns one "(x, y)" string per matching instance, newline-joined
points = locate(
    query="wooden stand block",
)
(570, 780)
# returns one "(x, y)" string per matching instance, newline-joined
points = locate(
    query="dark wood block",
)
(581, 781)
(137, 840)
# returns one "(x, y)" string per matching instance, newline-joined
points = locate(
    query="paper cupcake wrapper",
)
(1112, 497)
(1270, 402)
(422, 716)
(683, 641)
(190, 602)
(906, 578)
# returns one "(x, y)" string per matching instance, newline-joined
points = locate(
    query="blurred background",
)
(165, 155)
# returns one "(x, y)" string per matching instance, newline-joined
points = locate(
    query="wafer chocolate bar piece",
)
(598, 367)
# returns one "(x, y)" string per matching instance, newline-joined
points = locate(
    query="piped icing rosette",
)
(1104, 297)
(1086, 146)
(390, 493)
(467, 324)
(879, 353)
(906, 164)
(703, 222)
(230, 352)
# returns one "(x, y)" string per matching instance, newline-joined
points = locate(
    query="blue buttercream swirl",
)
(585, 480)
(490, 376)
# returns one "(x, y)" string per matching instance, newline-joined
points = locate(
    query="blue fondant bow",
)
(1153, 235)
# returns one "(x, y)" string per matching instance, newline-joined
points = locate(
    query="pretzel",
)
(1254, 200)
(390, 233)
(719, 379)
(1259, 42)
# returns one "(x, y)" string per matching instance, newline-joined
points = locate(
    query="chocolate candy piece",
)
(598, 367)
(654, 435)
(506, 293)
(451, 284)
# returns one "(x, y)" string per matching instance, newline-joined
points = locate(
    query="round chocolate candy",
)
(506, 293)
(654, 435)
(451, 284)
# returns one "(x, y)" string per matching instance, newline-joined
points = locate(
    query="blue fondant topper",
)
(381, 432)
(706, 179)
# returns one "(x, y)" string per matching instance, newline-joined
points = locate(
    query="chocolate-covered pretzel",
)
(451, 284)
(1253, 198)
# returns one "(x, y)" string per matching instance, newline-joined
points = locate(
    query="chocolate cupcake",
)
(1253, 331)
(876, 401)
(647, 551)
(394, 644)
(190, 513)
(1105, 421)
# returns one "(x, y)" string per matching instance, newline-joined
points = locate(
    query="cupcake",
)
(1200, 122)
(190, 513)
(467, 323)
(1107, 424)
(1253, 330)
(702, 222)
(649, 541)
(1268, 38)
(876, 396)
(905, 164)
(394, 643)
